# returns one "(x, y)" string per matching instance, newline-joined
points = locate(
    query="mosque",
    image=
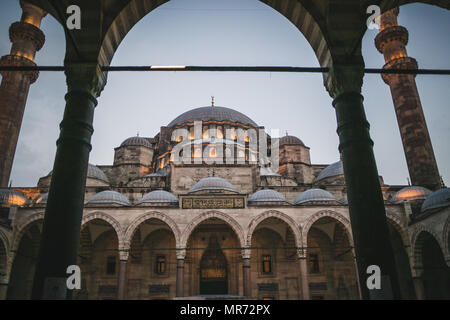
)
(156, 229)
(243, 215)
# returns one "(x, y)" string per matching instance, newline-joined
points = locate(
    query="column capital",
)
(85, 77)
(181, 253)
(344, 78)
(301, 253)
(246, 253)
(124, 254)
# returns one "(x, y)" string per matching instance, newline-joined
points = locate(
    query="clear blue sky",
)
(232, 32)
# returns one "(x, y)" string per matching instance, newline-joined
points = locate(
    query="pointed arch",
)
(417, 244)
(208, 215)
(295, 228)
(17, 236)
(107, 218)
(327, 213)
(135, 224)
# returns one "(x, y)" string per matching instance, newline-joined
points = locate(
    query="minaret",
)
(391, 41)
(26, 38)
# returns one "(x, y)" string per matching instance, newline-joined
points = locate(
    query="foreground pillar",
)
(122, 280)
(246, 273)
(418, 286)
(366, 204)
(391, 41)
(27, 39)
(304, 275)
(63, 213)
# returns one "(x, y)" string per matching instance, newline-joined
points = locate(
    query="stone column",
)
(391, 41)
(366, 204)
(3, 288)
(246, 272)
(122, 279)
(27, 39)
(302, 259)
(64, 210)
(418, 286)
(181, 254)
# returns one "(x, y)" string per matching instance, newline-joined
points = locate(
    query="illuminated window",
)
(205, 133)
(161, 163)
(191, 133)
(111, 265)
(219, 133)
(314, 263)
(267, 264)
(212, 153)
(197, 153)
(160, 266)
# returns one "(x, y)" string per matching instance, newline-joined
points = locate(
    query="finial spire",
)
(287, 133)
(137, 134)
(212, 101)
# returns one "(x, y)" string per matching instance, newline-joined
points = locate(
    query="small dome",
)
(212, 114)
(267, 195)
(159, 196)
(291, 140)
(136, 141)
(212, 184)
(93, 172)
(314, 195)
(109, 197)
(438, 199)
(41, 199)
(9, 197)
(411, 193)
(333, 170)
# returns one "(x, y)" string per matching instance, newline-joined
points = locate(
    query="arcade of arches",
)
(155, 229)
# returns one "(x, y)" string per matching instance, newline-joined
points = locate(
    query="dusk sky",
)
(231, 32)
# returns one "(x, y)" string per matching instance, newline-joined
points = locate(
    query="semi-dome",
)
(315, 195)
(436, 200)
(109, 197)
(212, 184)
(411, 193)
(212, 114)
(136, 141)
(333, 170)
(41, 199)
(267, 195)
(9, 197)
(291, 140)
(159, 196)
(93, 172)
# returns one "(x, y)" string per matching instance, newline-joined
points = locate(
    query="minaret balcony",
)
(393, 33)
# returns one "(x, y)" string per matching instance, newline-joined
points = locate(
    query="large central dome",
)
(212, 114)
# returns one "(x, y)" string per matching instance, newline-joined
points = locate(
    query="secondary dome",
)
(212, 114)
(159, 196)
(333, 170)
(411, 193)
(436, 200)
(109, 197)
(93, 172)
(315, 195)
(291, 140)
(136, 141)
(267, 195)
(41, 199)
(212, 184)
(9, 197)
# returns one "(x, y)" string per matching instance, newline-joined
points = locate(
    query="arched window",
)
(267, 264)
(160, 265)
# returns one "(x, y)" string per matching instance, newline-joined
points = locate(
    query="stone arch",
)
(417, 245)
(4, 248)
(208, 215)
(306, 20)
(110, 220)
(399, 226)
(295, 228)
(131, 229)
(23, 226)
(445, 236)
(327, 213)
